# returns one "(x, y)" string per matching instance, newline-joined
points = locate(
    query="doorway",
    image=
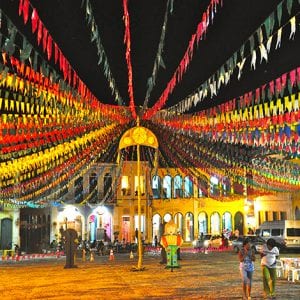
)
(6, 234)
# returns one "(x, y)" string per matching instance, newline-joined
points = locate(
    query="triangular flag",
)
(278, 42)
(242, 51)
(240, 66)
(279, 13)
(253, 60)
(269, 43)
(263, 53)
(227, 77)
(289, 5)
(260, 35)
(251, 40)
(293, 27)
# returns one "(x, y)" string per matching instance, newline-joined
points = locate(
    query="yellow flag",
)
(287, 104)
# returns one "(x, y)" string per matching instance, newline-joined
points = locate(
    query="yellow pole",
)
(139, 136)
(140, 260)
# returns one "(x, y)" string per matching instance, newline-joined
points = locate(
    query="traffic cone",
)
(131, 255)
(111, 255)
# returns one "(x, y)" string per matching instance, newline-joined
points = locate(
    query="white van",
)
(284, 232)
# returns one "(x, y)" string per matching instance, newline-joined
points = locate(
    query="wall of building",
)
(125, 204)
(273, 207)
(196, 206)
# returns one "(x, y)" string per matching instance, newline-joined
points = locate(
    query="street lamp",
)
(138, 136)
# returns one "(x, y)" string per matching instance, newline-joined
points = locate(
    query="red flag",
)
(34, 20)
(25, 10)
(257, 95)
(45, 36)
(278, 85)
(293, 77)
(283, 80)
(271, 84)
(55, 53)
(49, 47)
(40, 31)
(20, 7)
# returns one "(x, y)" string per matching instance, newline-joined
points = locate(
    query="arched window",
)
(107, 186)
(178, 192)
(188, 187)
(202, 188)
(227, 221)
(239, 223)
(156, 227)
(215, 223)
(178, 220)
(202, 223)
(226, 186)
(214, 186)
(189, 227)
(93, 182)
(167, 187)
(78, 188)
(156, 186)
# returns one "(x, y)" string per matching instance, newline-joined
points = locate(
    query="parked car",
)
(199, 243)
(208, 241)
(215, 241)
(286, 233)
(256, 243)
(237, 243)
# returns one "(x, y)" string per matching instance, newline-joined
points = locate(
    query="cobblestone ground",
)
(202, 276)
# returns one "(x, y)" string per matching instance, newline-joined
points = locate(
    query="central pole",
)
(140, 260)
(139, 136)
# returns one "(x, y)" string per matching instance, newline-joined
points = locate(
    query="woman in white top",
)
(268, 263)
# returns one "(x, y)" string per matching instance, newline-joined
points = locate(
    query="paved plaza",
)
(202, 276)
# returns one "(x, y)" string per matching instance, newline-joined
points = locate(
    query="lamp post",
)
(140, 252)
(138, 136)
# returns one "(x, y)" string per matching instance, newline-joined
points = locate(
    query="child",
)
(246, 258)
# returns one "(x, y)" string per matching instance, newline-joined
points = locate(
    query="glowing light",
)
(71, 212)
(124, 182)
(101, 210)
(214, 180)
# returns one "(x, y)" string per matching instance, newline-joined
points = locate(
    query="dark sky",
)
(233, 23)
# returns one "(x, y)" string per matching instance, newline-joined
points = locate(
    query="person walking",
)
(269, 255)
(178, 249)
(246, 257)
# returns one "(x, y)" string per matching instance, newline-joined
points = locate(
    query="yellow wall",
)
(197, 205)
